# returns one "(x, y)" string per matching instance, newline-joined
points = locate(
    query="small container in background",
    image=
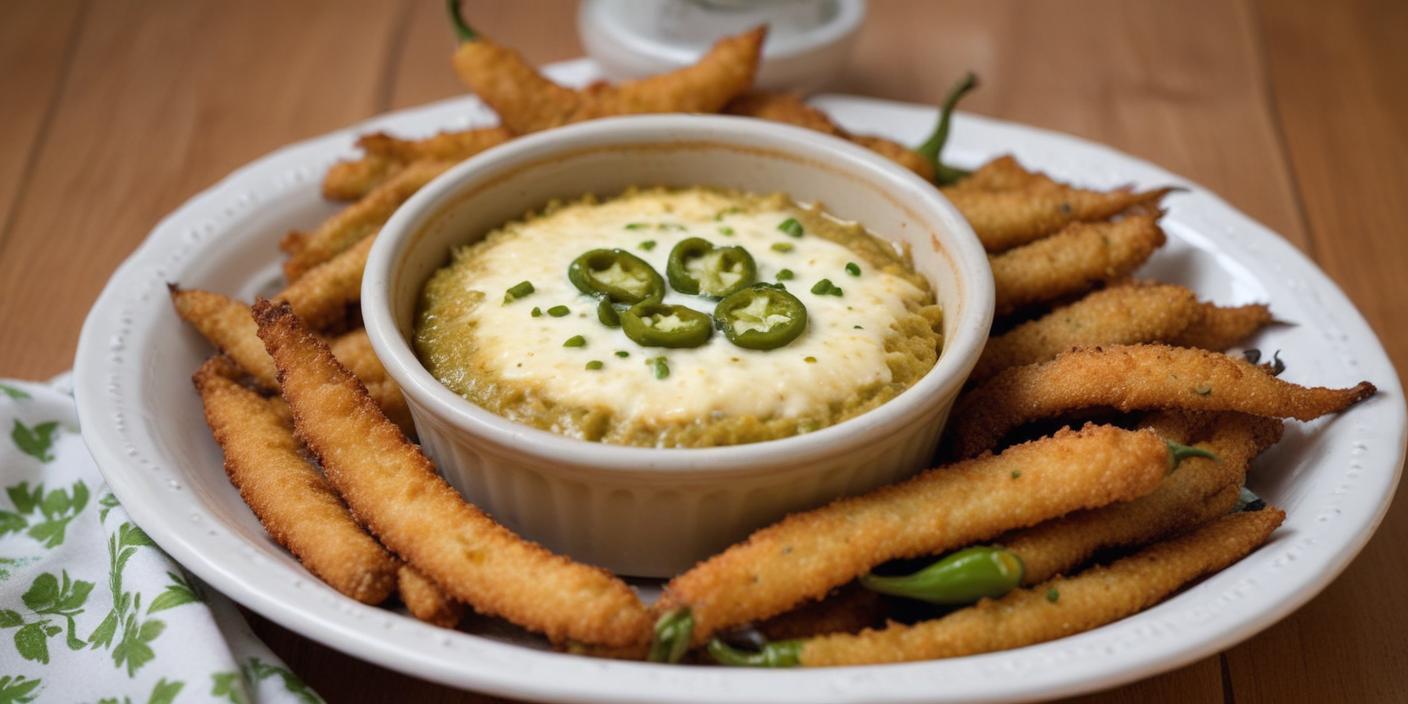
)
(807, 46)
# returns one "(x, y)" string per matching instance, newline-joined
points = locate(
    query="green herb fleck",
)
(1016, 474)
(559, 311)
(670, 226)
(853, 268)
(622, 354)
(575, 341)
(809, 359)
(826, 288)
(636, 226)
(781, 246)
(726, 231)
(647, 245)
(857, 327)
(595, 364)
(517, 291)
(660, 367)
(727, 211)
(1052, 595)
(537, 312)
(791, 227)
(785, 275)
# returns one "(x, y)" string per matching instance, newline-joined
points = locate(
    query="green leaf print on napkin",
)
(163, 692)
(177, 593)
(133, 648)
(229, 686)
(44, 516)
(16, 394)
(47, 599)
(257, 670)
(18, 690)
(35, 441)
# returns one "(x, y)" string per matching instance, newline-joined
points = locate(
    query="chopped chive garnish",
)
(537, 312)
(647, 245)
(1016, 473)
(857, 327)
(622, 354)
(636, 226)
(791, 227)
(809, 359)
(826, 288)
(1052, 595)
(727, 211)
(670, 226)
(853, 268)
(660, 367)
(517, 291)
(595, 364)
(559, 311)
(781, 246)
(728, 231)
(575, 341)
(785, 275)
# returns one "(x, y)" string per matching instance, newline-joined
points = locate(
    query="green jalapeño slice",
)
(697, 267)
(616, 274)
(654, 324)
(761, 317)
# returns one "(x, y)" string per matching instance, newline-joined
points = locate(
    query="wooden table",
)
(114, 112)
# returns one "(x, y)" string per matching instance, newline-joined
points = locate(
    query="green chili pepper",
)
(617, 274)
(761, 317)
(961, 578)
(661, 367)
(559, 311)
(462, 29)
(785, 275)
(791, 227)
(575, 341)
(853, 268)
(1178, 452)
(933, 147)
(673, 631)
(697, 267)
(607, 314)
(826, 288)
(779, 653)
(654, 324)
(517, 291)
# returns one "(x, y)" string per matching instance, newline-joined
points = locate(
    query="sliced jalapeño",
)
(655, 324)
(699, 268)
(618, 275)
(761, 317)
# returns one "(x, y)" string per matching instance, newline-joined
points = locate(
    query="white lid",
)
(808, 40)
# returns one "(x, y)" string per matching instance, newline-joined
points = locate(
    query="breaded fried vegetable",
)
(1200, 490)
(1073, 261)
(1059, 607)
(385, 156)
(847, 610)
(527, 102)
(1009, 207)
(360, 220)
(924, 161)
(229, 325)
(805, 555)
(395, 491)
(425, 600)
(1219, 328)
(1131, 378)
(1119, 315)
(321, 296)
(288, 495)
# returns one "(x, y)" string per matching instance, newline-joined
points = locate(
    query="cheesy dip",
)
(678, 318)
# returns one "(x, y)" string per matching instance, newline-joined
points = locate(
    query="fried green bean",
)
(1073, 261)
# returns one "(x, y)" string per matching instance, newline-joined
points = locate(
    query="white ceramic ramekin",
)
(648, 511)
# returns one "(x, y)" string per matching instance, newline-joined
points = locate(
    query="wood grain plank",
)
(1337, 75)
(37, 36)
(163, 99)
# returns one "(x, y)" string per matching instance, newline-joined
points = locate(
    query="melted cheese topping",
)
(842, 350)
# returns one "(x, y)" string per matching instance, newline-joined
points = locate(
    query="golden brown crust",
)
(1219, 328)
(1009, 206)
(395, 491)
(321, 296)
(425, 600)
(1193, 494)
(807, 554)
(1120, 315)
(1130, 378)
(850, 609)
(227, 324)
(1073, 261)
(385, 156)
(288, 495)
(354, 351)
(360, 220)
(1060, 607)
(527, 102)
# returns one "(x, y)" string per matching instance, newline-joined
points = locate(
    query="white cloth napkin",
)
(90, 609)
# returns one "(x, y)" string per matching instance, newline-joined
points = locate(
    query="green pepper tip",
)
(957, 579)
(673, 631)
(933, 147)
(462, 28)
(780, 653)
(1177, 452)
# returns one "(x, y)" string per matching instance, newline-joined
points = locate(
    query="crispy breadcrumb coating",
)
(1073, 261)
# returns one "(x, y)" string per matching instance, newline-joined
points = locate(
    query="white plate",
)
(143, 423)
